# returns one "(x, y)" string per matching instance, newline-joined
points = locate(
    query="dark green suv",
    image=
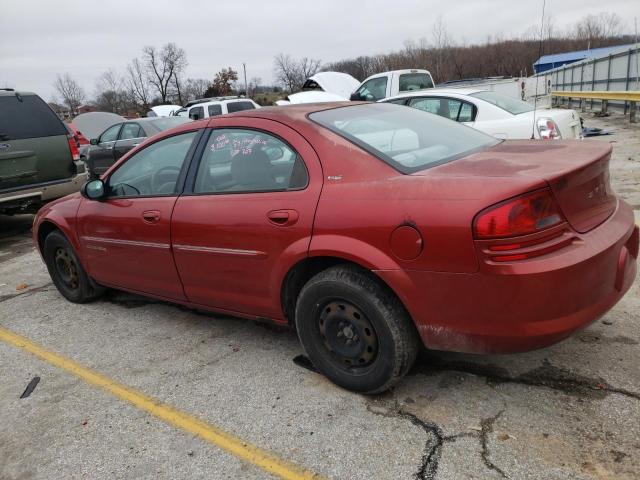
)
(39, 159)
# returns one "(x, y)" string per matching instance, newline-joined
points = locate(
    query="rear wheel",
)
(354, 330)
(67, 273)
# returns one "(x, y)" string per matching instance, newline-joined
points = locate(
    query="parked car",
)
(368, 226)
(388, 84)
(79, 138)
(499, 115)
(39, 158)
(220, 106)
(163, 110)
(118, 139)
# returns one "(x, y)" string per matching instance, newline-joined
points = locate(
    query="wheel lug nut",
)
(355, 338)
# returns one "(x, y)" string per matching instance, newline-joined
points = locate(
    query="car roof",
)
(438, 91)
(220, 102)
(10, 92)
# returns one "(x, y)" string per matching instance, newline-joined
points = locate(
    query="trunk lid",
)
(576, 171)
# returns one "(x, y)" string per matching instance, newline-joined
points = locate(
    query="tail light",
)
(529, 213)
(548, 129)
(73, 147)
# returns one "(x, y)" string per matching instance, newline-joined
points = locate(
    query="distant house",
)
(86, 109)
(548, 62)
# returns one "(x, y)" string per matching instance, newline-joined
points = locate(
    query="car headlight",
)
(547, 129)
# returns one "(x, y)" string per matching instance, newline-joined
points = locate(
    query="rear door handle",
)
(283, 218)
(151, 216)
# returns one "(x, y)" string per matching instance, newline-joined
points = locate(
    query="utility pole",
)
(246, 90)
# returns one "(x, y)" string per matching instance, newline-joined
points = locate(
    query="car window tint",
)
(445, 107)
(130, 130)
(374, 89)
(415, 81)
(406, 138)
(466, 113)
(214, 110)
(153, 170)
(27, 117)
(239, 106)
(237, 160)
(110, 134)
(196, 113)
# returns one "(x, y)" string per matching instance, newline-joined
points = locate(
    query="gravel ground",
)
(569, 411)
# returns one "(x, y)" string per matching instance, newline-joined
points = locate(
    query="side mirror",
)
(355, 97)
(94, 190)
(93, 141)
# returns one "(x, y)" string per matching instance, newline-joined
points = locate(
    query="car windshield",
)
(511, 105)
(406, 138)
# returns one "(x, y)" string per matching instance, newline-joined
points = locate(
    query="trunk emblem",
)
(4, 146)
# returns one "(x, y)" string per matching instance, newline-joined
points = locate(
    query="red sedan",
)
(370, 227)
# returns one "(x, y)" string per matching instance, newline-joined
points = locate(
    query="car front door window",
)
(196, 113)
(374, 90)
(152, 171)
(110, 134)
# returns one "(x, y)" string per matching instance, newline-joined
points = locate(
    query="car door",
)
(131, 135)
(248, 217)
(101, 155)
(125, 238)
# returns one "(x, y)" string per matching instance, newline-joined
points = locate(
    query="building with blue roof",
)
(549, 62)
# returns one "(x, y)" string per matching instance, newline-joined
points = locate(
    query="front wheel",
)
(354, 330)
(66, 271)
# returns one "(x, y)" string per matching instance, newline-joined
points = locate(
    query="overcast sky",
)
(39, 39)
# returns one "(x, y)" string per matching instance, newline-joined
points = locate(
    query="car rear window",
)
(406, 138)
(511, 105)
(27, 117)
(415, 81)
(239, 106)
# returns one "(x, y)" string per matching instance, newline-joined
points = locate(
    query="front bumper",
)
(532, 304)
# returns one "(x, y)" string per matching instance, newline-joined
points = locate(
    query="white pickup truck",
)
(389, 84)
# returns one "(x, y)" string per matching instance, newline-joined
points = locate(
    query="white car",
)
(214, 108)
(493, 113)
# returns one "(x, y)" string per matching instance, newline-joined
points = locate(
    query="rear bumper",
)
(31, 197)
(531, 304)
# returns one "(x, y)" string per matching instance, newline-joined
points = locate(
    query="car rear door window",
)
(214, 110)
(239, 106)
(153, 170)
(450, 108)
(130, 130)
(239, 160)
(27, 116)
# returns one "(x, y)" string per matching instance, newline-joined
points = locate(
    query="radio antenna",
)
(535, 97)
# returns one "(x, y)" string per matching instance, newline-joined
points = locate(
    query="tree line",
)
(157, 76)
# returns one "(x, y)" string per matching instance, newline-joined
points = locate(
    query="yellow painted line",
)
(629, 96)
(214, 435)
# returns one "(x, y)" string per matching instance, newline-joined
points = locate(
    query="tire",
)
(354, 330)
(67, 272)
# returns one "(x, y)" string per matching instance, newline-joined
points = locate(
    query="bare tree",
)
(195, 88)
(70, 91)
(291, 74)
(164, 67)
(594, 28)
(137, 83)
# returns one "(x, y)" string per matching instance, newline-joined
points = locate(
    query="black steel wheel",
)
(67, 272)
(355, 330)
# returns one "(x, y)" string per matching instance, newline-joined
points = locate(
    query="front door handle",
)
(283, 218)
(151, 216)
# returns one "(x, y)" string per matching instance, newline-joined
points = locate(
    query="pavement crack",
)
(546, 376)
(486, 425)
(428, 467)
